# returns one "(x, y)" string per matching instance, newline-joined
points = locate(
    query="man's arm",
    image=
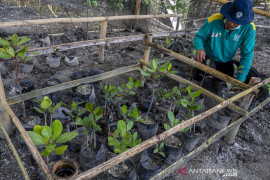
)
(246, 54)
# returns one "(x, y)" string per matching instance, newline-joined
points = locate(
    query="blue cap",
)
(239, 11)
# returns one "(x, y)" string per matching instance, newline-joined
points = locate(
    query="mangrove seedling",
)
(51, 136)
(175, 97)
(47, 107)
(14, 52)
(90, 122)
(173, 122)
(154, 74)
(75, 111)
(158, 149)
(122, 138)
(132, 115)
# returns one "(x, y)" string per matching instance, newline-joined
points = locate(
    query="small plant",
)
(51, 136)
(46, 107)
(167, 42)
(75, 111)
(122, 138)
(173, 122)
(175, 97)
(236, 70)
(132, 115)
(158, 149)
(15, 52)
(155, 73)
(90, 122)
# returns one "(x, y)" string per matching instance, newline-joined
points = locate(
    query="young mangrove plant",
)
(90, 122)
(122, 138)
(158, 149)
(51, 136)
(131, 115)
(75, 111)
(47, 108)
(154, 74)
(175, 97)
(173, 122)
(14, 51)
(190, 103)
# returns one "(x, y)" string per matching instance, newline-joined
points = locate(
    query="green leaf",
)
(57, 129)
(36, 138)
(170, 66)
(161, 145)
(234, 66)
(144, 73)
(124, 109)
(38, 129)
(46, 132)
(14, 39)
(117, 151)
(60, 150)
(189, 90)
(23, 40)
(4, 42)
(121, 125)
(196, 107)
(10, 51)
(98, 111)
(46, 103)
(165, 65)
(162, 154)
(89, 107)
(135, 136)
(168, 40)
(150, 70)
(130, 85)
(166, 126)
(50, 147)
(171, 116)
(58, 105)
(66, 137)
(45, 153)
(131, 92)
(208, 62)
(138, 83)
(195, 94)
(154, 64)
(185, 129)
(130, 125)
(79, 122)
(155, 151)
(184, 102)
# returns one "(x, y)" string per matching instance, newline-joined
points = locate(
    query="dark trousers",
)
(226, 68)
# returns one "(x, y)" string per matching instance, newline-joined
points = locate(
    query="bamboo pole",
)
(230, 136)
(204, 91)
(70, 84)
(146, 55)
(13, 149)
(200, 66)
(4, 117)
(80, 44)
(152, 141)
(257, 11)
(27, 140)
(102, 36)
(137, 12)
(177, 165)
(81, 20)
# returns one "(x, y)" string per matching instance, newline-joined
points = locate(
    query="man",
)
(223, 34)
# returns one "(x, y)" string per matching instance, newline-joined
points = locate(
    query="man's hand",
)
(200, 55)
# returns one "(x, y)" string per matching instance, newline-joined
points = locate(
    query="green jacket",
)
(222, 45)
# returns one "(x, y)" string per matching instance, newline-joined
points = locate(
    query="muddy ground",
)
(249, 156)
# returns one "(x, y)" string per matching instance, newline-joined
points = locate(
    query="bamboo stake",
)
(27, 140)
(146, 55)
(4, 117)
(79, 44)
(152, 141)
(200, 66)
(137, 12)
(204, 91)
(230, 136)
(70, 84)
(102, 36)
(82, 20)
(257, 11)
(13, 149)
(177, 165)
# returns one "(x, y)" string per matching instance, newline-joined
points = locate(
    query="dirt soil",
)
(249, 156)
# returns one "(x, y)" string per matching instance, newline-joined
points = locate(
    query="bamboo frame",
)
(177, 165)
(102, 36)
(70, 84)
(257, 11)
(146, 55)
(13, 149)
(82, 20)
(200, 66)
(152, 141)
(79, 44)
(204, 91)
